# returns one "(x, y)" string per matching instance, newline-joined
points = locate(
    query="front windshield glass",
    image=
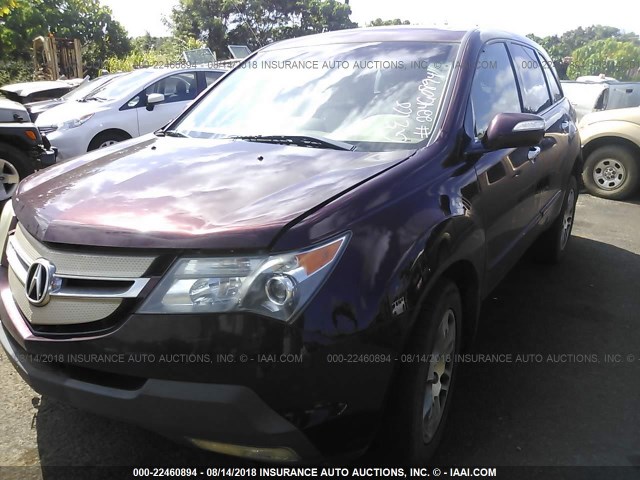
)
(122, 85)
(86, 88)
(376, 96)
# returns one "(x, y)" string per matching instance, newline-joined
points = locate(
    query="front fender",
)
(613, 128)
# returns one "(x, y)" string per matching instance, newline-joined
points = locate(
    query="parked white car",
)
(130, 106)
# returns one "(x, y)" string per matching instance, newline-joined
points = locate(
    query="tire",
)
(106, 139)
(551, 246)
(14, 166)
(611, 172)
(408, 437)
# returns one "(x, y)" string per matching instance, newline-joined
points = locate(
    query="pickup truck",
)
(611, 149)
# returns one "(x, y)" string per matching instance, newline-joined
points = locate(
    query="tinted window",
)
(535, 95)
(212, 77)
(494, 87)
(552, 79)
(176, 88)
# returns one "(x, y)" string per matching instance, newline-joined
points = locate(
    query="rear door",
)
(178, 89)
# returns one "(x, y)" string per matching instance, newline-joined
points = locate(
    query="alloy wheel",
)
(107, 143)
(439, 376)
(567, 218)
(9, 179)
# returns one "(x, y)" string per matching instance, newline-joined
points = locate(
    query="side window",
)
(180, 87)
(552, 79)
(494, 88)
(535, 94)
(212, 77)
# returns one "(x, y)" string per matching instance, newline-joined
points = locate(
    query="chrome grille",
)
(85, 287)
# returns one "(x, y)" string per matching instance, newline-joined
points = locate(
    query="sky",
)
(543, 17)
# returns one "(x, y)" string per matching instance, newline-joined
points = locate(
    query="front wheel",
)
(611, 172)
(421, 399)
(106, 139)
(14, 166)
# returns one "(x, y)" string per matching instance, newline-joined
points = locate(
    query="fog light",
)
(280, 289)
(277, 454)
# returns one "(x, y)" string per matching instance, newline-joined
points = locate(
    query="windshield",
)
(122, 85)
(87, 87)
(375, 96)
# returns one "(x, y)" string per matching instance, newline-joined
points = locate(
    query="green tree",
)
(255, 22)
(378, 22)
(205, 20)
(614, 58)
(87, 20)
(6, 6)
(561, 47)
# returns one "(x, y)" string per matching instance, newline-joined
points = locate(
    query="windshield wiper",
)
(99, 99)
(174, 133)
(169, 133)
(297, 140)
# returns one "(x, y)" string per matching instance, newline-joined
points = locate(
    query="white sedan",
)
(133, 105)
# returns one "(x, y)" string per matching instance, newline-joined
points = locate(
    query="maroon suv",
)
(288, 270)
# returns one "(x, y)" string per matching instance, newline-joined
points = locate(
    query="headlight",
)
(76, 122)
(277, 286)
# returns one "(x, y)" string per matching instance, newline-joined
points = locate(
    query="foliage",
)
(87, 20)
(561, 48)
(6, 6)
(255, 23)
(378, 22)
(614, 58)
(15, 71)
(152, 51)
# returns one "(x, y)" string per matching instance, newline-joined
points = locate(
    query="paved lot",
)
(576, 410)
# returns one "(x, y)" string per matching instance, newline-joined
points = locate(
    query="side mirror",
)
(153, 99)
(512, 130)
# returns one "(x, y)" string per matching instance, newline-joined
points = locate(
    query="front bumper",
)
(69, 143)
(47, 154)
(313, 406)
(232, 414)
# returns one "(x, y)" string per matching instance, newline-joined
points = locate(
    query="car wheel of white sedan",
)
(107, 139)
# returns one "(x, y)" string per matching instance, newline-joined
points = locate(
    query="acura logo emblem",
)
(39, 282)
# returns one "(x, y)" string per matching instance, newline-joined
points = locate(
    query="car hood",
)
(28, 88)
(43, 105)
(68, 111)
(154, 192)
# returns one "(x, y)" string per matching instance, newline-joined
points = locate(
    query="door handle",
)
(565, 126)
(533, 153)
